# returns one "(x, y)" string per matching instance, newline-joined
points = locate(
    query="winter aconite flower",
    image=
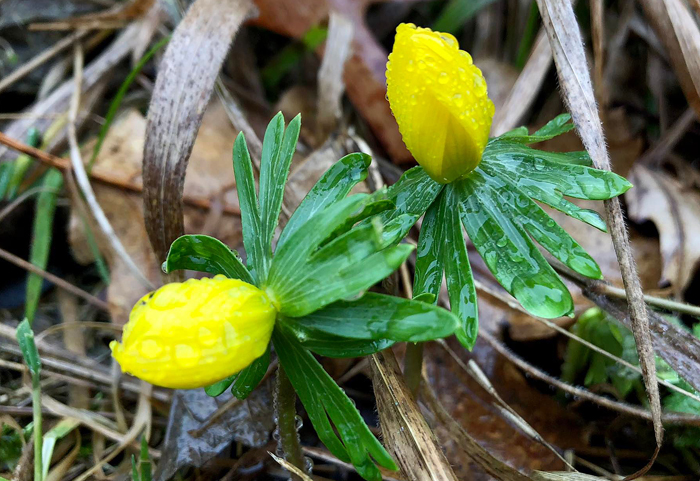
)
(192, 334)
(439, 99)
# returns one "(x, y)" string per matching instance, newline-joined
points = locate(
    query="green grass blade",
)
(41, 238)
(119, 97)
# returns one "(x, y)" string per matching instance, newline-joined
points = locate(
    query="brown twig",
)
(64, 164)
(44, 56)
(18, 261)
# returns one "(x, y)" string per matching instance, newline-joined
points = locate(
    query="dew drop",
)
(502, 242)
(443, 78)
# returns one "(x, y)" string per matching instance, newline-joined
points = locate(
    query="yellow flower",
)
(195, 333)
(439, 99)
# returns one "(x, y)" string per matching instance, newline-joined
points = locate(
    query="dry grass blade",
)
(676, 27)
(330, 75)
(570, 59)
(182, 91)
(405, 430)
(44, 56)
(84, 182)
(40, 114)
(290, 467)
(112, 18)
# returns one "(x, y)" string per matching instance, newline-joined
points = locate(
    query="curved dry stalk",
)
(621, 407)
(572, 68)
(84, 182)
(184, 85)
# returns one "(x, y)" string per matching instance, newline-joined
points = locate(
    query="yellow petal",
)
(192, 334)
(440, 102)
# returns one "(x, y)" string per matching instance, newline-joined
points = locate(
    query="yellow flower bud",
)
(439, 99)
(193, 334)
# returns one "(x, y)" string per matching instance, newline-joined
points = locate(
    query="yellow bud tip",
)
(440, 101)
(195, 333)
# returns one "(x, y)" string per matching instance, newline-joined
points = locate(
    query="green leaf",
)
(323, 399)
(456, 13)
(135, 476)
(429, 261)
(202, 253)
(278, 149)
(41, 238)
(377, 316)
(555, 127)
(552, 171)
(458, 272)
(412, 194)
(330, 345)
(334, 185)
(249, 378)
(119, 97)
(25, 339)
(218, 388)
(145, 461)
(291, 257)
(542, 227)
(546, 192)
(508, 251)
(250, 214)
(17, 169)
(370, 210)
(59, 431)
(414, 191)
(330, 286)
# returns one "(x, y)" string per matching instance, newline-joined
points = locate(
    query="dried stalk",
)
(570, 59)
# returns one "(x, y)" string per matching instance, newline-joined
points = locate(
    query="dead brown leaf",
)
(184, 85)
(469, 406)
(675, 210)
(678, 31)
(364, 71)
(209, 174)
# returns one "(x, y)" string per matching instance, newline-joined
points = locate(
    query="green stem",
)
(285, 405)
(413, 366)
(38, 436)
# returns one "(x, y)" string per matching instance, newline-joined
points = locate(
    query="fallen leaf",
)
(469, 405)
(210, 174)
(674, 210)
(200, 427)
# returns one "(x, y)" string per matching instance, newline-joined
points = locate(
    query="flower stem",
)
(412, 366)
(285, 405)
(38, 438)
